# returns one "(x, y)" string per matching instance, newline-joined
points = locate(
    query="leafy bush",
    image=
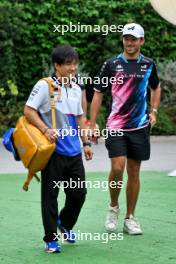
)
(164, 125)
(11, 108)
(167, 76)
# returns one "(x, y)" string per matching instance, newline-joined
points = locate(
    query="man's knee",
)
(117, 166)
(117, 169)
(117, 172)
(133, 169)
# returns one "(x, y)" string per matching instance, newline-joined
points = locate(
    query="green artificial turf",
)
(21, 228)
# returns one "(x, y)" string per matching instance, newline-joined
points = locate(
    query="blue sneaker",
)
(53, 247)
(68, 235)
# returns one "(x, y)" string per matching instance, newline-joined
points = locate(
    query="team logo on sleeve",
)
(102, 68)
(34, 91)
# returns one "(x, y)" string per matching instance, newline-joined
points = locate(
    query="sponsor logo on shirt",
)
(133, 75)
(119, 67)
(144, 67)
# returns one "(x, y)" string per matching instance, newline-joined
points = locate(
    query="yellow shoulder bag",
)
(33, 148)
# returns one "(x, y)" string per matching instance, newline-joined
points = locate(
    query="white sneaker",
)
(132, 226)
(112, 219)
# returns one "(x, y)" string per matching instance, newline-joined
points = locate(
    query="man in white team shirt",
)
(66, 163)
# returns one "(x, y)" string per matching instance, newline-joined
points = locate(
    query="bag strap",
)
(28, 180)
(51, 91)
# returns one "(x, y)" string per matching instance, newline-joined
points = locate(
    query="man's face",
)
(131, 44)
(67, 69)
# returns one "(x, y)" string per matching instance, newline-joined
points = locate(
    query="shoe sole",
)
(50, 251)
(129, 233)
(110, 230)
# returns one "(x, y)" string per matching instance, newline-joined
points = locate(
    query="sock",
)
(114, 208)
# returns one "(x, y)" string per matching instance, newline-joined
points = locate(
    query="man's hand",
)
(153, 118)
(93, 132)
(155, 99)
(88, 152)
(51, 134)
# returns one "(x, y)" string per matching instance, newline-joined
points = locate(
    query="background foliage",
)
(27, 40)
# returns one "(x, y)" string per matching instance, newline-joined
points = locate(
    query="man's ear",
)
(56, 65)
(142, 41)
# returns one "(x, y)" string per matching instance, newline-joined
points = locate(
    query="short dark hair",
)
(64, 54)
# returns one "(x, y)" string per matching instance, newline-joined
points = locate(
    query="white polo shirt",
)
(68, 105)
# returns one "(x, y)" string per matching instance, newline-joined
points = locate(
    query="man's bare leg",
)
(115, 185)
(133, 185)
(116, 175)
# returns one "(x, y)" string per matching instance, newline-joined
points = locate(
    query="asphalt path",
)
(163, 157)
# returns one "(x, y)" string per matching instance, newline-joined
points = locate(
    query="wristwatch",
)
(87, 143)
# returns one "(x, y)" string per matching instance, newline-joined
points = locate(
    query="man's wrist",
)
(44, 130)
(154, 110)
(87, 144)
(92, 125)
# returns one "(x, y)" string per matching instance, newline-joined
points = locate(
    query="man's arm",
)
(84, 137)
(155, 100)
(84, 104)
(33, 117)
(100, 88)
(95, 108)
(83, 128)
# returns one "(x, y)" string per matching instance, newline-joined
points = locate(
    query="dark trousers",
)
(65, 169)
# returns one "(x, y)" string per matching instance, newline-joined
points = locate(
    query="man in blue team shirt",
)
(66, 163)
(129, 113)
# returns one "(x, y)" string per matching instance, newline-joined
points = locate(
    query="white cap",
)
(133, 29)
